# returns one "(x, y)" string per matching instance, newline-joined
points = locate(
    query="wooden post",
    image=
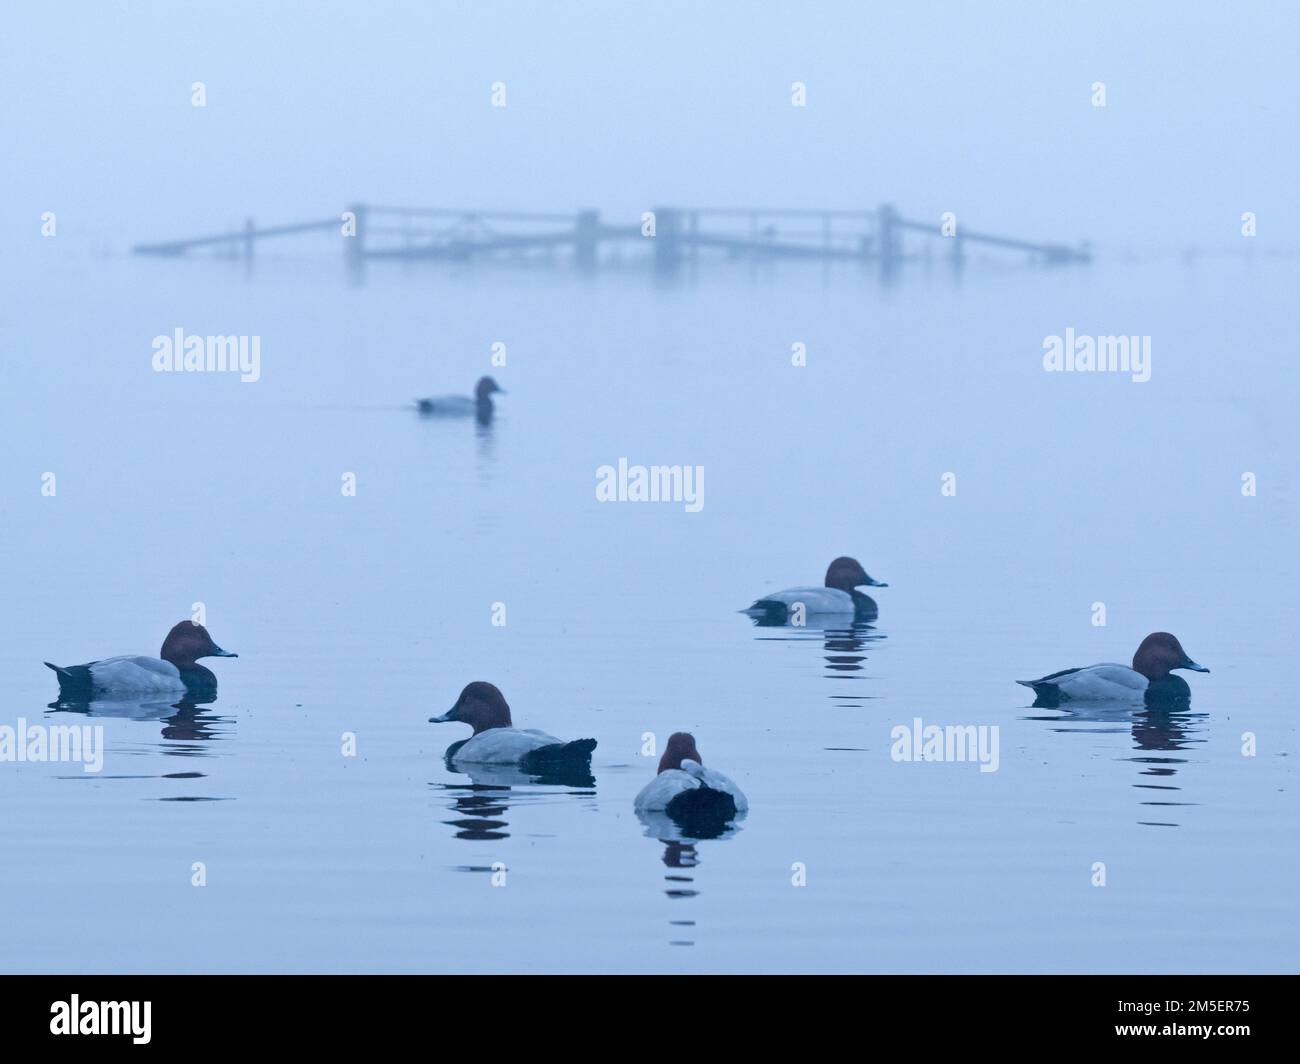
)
(958, 252)
(354, 247)
(667, 240)
(586, 237)
(890, 241)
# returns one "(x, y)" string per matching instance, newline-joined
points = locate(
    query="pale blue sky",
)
(983, 109)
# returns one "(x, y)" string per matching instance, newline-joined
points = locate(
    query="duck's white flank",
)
(814, 599)
(1107, 682)
(138, 675)
(450, 405)
(503, 746)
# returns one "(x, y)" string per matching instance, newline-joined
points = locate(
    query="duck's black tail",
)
(557, 754)
(74, 681)
(1046, 695)
(768, 613)
(562, 764)
(702, 813)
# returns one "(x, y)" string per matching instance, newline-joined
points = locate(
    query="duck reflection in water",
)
(680, 858)
(486, 446)
(481, 811)
(1160, 732)
(844, 648)
(1163, 730)
(680, 835)
(187, 721)
(482, 804)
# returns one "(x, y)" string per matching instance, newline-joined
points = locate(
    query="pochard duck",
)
(479, 405)
(839, 595)
(174, 672)
(685, 788)
(1149, 679)
(496, 741)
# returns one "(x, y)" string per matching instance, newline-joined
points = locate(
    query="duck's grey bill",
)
(1190, 664)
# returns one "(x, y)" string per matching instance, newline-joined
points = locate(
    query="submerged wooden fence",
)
(674, 235)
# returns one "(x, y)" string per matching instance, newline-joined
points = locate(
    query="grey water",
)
(367, 613)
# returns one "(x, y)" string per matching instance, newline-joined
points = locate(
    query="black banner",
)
(1225, 1012)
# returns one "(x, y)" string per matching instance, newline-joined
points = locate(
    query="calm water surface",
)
(368, 614)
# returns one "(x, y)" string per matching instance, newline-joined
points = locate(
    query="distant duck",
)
(1148, 681)
(496, 741)
(480, 405)
(686, 790)
(174, 672)
(838, 596)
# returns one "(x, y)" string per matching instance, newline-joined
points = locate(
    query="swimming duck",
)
(173, 672)
(1149, 679)
(839, 596)
(479, 406)
(684, 788)
(496, 741)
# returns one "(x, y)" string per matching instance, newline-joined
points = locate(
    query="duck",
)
(1149, 680)
(496, 741)
(480, 405)
(685, 789)
(839, 595)
(174, 672)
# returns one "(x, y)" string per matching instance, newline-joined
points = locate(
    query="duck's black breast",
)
(1169, 690)
(200, 682)
(864, 605)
